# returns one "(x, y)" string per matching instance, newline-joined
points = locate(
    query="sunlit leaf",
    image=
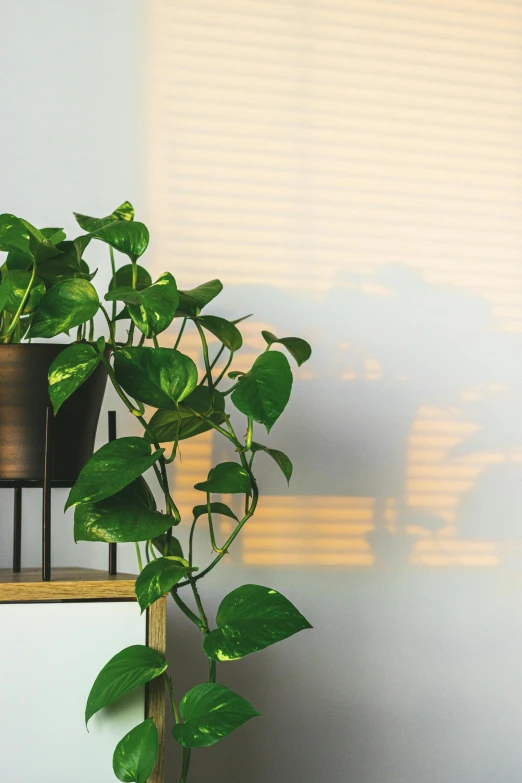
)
(224, 330)
(13, 234)
(263, 392)
(298, 348)
(69, 370)
(130, 668)
(155, 376)
(225, 478)
(124, 212)
(135, 756)
(66, 305)
(112, 468)
(157, 306)
(249, 619)
(129, 237)
(210, 712)
(194, 300)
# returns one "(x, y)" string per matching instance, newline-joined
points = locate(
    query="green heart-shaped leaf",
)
(154, 313)
(226, 478)
(124, 212)
(112, 468)
(164, 423)
(123, 277)
(263, 392)
(14, 286)
(279, 457)
(215, 508)
(191, 302)
(249, 619)
(298, 348)
(224, 330)
(128, 516)
(130, 668)
(155, 376)
(69, 370)
(17, 260)
(158, 578)
(55, 270)
(174, 549)
(66, 305)
(129, 237)
(210, 712)
(14, 234)
(136, 754)
(54, 235)
(124, 294)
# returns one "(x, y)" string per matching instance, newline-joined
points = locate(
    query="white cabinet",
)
(50, 654)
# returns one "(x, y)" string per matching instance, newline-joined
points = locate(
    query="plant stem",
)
(138, 555)
(250, 435)
(21, 306)
(213, 364)
(211, 526)
(134, 282)
(119, 391)
(113, 269)
(187, 611)
(185, 764)
(225, 368)
(212, 670)
(112, 339)
(204, 622)
(229, 541)
(219, 429)
(206, 360)
(161, 473)
(191, 540)
(170, 686)
(180, 333)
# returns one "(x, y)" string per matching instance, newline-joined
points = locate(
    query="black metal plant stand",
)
(47, 484)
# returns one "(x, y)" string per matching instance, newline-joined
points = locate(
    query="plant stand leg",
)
(17, 531)
(113, 552)
(46, 505)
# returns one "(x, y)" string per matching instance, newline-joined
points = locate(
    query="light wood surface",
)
(67, 584)
(157, 640)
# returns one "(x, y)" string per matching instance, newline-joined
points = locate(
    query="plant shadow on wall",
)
(46, 290)
(424, 466)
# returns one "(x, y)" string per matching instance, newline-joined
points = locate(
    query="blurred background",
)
(352, 172)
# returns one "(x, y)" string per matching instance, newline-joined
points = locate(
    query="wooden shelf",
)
(72, 584)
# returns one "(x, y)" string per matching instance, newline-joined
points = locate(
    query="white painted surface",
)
(50, 656)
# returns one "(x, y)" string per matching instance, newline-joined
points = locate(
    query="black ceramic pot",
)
(23, 401)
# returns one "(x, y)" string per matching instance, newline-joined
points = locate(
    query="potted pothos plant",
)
(47, 290)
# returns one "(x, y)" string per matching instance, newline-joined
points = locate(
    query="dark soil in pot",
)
(23, 401)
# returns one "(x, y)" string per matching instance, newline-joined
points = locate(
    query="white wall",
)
(353, 174)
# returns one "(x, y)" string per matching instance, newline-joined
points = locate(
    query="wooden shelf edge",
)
(66, 584)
